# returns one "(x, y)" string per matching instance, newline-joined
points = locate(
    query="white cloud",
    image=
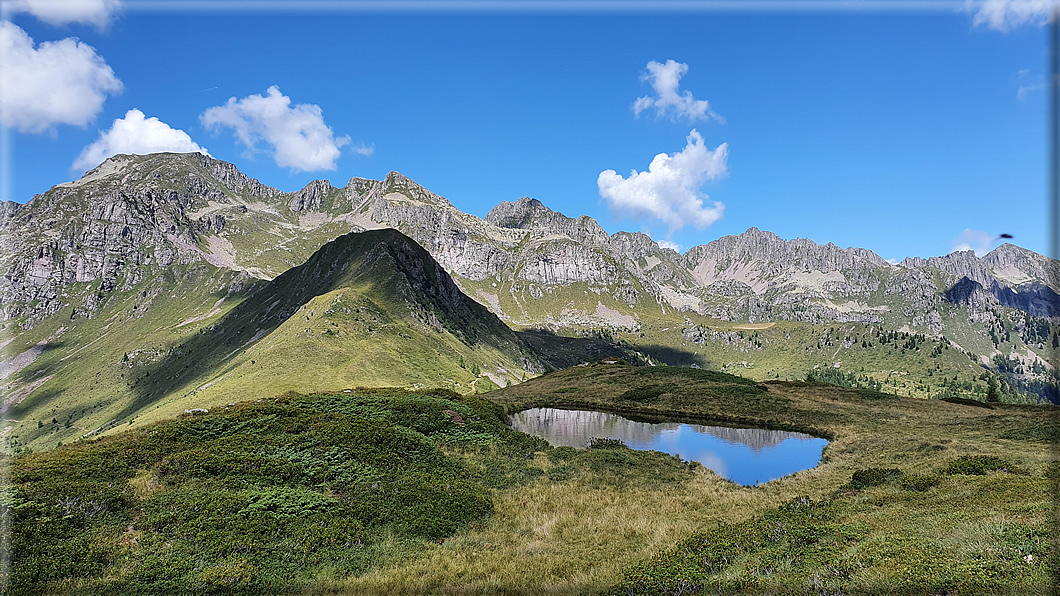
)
(62, 12)
(669, 190)
(975, 240)
(299, 137)
(362, 149)
(135, 134)
(668, 244)
(664, 79)
(1028, 83)
(1005, 15)
(58, 82)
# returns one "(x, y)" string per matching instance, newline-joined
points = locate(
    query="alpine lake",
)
(746, 456)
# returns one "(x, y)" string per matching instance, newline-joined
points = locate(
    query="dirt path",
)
(755, 326)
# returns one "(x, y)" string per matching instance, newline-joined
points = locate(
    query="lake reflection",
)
(747, 456)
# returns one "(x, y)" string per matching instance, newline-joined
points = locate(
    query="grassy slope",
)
(351, 316)
(790, 350)
(563, 520)
(582, 529)
(263, 497)
(95, 366)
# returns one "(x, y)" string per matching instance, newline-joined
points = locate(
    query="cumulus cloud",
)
(671, 245)
(668, 101)
(63, 12)
(975, 240)
(299, 138)
(57, 82)
(1005, 15)
(136, 134)
(669, 189)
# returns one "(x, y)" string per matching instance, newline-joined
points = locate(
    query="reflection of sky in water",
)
(746, 456)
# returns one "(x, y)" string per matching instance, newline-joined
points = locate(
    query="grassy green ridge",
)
(367, 309)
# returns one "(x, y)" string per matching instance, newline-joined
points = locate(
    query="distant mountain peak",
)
(396, 182)
(532, 214)
(524, 214)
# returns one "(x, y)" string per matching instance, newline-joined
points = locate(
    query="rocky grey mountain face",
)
(134, 217)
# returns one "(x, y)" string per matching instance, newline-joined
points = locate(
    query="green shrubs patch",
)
(807, 547)
(252, 498)
(647, 393)
(919, 482)
(735, 557)
(874, 477)
(976, 465)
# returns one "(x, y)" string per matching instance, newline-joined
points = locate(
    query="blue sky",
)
(907, 133)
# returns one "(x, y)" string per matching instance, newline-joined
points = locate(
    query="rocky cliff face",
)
(107, 231)
(135, 216)
(531, 214)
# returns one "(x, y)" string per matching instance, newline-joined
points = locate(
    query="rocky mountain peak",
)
(633, 245)
(759, 246)
(524, 214)
(311, 197)
(396, 182)
(7, 210)
(532, 214)
(110, 167)
(1010, 255)
(1016, 266)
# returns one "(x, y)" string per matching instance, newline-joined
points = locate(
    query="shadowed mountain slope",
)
(369, 308)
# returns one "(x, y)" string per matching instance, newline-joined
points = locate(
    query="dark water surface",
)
(747, 456)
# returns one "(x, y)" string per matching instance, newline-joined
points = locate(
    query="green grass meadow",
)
(380, 491)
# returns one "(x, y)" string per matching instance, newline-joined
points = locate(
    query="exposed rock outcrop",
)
(134, 216)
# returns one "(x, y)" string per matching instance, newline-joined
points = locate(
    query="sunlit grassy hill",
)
(367, 309)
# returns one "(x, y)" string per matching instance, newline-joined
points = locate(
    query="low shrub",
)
(874, 477)
(255, 498)
(604, 443)
(719, 560)
(976, 465)
(919, 482)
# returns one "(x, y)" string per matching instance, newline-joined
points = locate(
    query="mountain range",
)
(160, 283)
